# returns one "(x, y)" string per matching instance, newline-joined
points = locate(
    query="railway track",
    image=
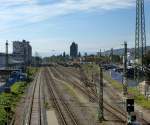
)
(93, 97)
(34, 112)
(119, 114)
(66, 115)
(69, 70)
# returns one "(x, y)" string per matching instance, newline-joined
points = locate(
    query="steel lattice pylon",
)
(140, 35)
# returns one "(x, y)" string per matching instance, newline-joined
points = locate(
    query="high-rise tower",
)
(74, 50)
(140, 35)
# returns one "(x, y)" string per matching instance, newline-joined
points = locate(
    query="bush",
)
(31, 71)
(11, 99)
(18, 88)
(6, 100)
(3, 116)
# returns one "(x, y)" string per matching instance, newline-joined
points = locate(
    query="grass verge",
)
(140, 99)
(11, 99)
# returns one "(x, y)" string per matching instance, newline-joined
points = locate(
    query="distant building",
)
(11, 61)
(22, 51)
(74, 50)
(3, 59)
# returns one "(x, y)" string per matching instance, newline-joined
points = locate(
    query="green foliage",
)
(139, 98)
(18, 88)
(102, 59)
(31, 71)
(10, 99)
(116, 59)
(59, 58)
(5, 100)
(90, 69)
(46, 105)
(3, 116)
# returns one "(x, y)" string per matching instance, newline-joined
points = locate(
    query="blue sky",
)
(54, 24)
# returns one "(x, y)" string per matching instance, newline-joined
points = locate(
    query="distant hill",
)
(121, 51)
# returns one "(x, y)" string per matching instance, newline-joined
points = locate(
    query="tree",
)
(116, 59)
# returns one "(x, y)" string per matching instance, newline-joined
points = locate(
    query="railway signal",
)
(130, 108)
(130, 105)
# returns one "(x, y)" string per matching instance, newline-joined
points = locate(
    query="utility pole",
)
(104, 53)
(101, 113)
(6, 57)
(125, 83)
(100, 53)
(111, 55)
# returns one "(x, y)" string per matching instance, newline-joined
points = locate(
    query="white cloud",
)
(17, 12)
(21, 12)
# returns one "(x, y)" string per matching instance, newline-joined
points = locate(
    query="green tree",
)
(3, 116)
(116, 59)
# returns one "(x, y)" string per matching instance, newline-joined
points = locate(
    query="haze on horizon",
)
(54, 24)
